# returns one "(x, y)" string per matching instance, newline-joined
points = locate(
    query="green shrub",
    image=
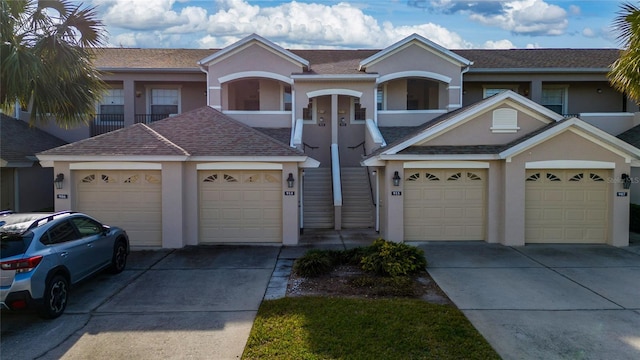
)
(393, 259)
(315, 263)
(634, 218)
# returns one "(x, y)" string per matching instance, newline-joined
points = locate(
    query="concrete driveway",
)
(196, 303)
(545, 301)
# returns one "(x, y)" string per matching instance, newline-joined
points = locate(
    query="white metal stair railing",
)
(358, 210)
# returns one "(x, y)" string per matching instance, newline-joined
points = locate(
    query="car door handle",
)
(90, 245)
(64, 254)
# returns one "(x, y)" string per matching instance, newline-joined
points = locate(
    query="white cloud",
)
(500, 44)
(588, 32)
(574, 10)
(528, 17)
(141, 15)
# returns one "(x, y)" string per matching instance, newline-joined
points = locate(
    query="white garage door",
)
(131, 200)
(566, 206)
(240, 206)
(444, 204)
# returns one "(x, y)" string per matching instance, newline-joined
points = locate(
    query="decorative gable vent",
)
(505, 121)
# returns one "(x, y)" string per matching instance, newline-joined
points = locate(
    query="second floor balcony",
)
(104, 123)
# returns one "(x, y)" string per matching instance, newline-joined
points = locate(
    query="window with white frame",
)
(307, 112)
(554, 97)
(111, 107)
(380, 97)
(286, 97)
(359, 112)
(490, 90)
(165, 102)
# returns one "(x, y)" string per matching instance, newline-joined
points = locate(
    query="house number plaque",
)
(396, 193)
(289, 193)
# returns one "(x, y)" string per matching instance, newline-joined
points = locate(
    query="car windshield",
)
(12, 244)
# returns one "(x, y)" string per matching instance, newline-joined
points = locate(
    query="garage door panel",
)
(444, 204)
(248, 209)
(125, 198)
(573, 209)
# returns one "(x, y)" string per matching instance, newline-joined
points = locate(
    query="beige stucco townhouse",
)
(285, 140)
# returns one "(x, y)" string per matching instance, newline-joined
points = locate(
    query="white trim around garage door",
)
(570, 164)
(446, 165)
(109, 165)
(239, 166)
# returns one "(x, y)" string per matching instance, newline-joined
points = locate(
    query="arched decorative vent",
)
(505, 121)
(533, 177)
(431, 177)
(455, 177)
(595, 177)
(211, 178)
(271, 179)
(252, 178)
(552, 177)
(229, 178)
(107, 179)
(132, 179)
(472, 176)
(414, 177)
(152, 179)
(577, 177)
(89, 178)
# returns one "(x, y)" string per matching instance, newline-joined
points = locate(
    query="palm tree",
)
(624, 75)
(46, 54)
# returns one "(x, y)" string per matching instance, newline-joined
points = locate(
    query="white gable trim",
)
(569, 164)
(255, 74)
(248, 41)
(110, 165)
(581, 128)
(520, 102)
(414, 73)
(347, 92)
(414, 38)
(239, 166)
(446, 165)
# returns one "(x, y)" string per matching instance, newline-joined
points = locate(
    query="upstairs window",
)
(164, 102)
(491, 90)
(111, 107)
(286, 97)
(380, 97)
(359, 113)
(554, 98)
(307, 113)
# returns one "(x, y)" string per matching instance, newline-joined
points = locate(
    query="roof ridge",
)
(164, 139)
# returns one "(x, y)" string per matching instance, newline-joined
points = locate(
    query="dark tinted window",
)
(12, 244)
(87, 227)
(60, 233)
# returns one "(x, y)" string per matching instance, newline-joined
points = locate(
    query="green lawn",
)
(341, 328)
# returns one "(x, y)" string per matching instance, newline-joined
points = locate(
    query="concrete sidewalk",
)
(545, 301)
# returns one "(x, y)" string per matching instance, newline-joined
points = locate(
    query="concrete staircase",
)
(318, 199)
(358, 210)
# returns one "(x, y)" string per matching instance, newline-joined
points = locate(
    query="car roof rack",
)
(48, 218)
(6, 212)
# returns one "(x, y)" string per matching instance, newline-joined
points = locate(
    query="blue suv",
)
(42, 254)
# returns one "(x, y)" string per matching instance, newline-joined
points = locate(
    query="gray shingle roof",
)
(19, 142)
(632, 136)
(200, 132)
(331, 62)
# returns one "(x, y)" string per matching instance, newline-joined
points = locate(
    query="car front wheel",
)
(55, 297)
(119, 259)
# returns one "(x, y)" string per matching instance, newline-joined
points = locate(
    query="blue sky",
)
(359, 24)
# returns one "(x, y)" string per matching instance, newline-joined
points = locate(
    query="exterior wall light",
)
(626, 181)
(343, 122)
(321, 121)
(396, 179)
(290, 181)
(58, 181)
